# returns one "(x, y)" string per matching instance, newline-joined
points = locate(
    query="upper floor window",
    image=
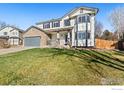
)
(81, 11)
(67, 22)
(82, 19)
(46, 25)
(56, 24)
(13, 33)
(5, 33)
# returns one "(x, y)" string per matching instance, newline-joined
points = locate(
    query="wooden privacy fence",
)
(106, 44)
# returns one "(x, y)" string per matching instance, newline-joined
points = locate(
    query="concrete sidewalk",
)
(12, 50)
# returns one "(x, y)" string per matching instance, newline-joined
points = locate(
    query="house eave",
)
(95, 11)
(86, 8)
(58, 29)
(35, 28)
(52, 20)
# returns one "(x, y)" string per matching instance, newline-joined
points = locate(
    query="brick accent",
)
(36, 32)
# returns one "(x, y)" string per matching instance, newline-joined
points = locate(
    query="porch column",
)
(58, 38)
(68, 36)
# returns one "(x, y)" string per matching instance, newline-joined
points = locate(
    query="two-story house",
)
(75, 28)
(13, 35)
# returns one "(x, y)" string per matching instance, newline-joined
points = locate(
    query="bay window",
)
(67, 22)
(46, 25)
(56, 24)
(82, 19)
(82, 35)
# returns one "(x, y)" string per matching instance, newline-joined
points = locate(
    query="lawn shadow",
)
(91, 56)
(121, 53)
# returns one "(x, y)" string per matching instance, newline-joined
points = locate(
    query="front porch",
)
(59, 37)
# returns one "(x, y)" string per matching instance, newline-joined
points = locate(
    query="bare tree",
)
(117, 20)
(98, 29)
(107, 35)
(2, 24)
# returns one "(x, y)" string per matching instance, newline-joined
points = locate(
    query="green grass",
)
(62, 67)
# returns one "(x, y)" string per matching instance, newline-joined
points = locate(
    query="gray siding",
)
(32, 41)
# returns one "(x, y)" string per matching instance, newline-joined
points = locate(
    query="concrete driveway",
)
(13, 49)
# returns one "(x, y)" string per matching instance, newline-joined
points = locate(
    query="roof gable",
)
(35, 28)
(83, 8)
(95, 11)
(20, 30)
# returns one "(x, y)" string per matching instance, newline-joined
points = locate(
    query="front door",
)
(66, 39)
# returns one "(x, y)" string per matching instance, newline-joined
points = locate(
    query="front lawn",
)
(62, 67)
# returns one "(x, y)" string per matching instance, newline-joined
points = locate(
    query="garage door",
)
(32, 41)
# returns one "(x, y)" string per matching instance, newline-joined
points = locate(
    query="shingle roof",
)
(74, 9)
(82, 7)
(35, 28)
(51, 20)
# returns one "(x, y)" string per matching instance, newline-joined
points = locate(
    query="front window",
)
(46, 25)
(83, 19)
(82, 35)
(56, 24)
(5, 33)
(67, 22)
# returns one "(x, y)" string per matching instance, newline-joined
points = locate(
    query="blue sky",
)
(25, 15)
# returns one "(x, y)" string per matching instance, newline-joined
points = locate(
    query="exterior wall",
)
(78, 12)
(35, 32)
(62, 38)
(40, 26)
(13, 41)
(75, 13)
(73, 37)
(82, 27)
(11, 32)
(72, 19)
(92, 30)
(79, 27)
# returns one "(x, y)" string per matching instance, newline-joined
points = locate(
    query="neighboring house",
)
(75, 28)
(3, 42)
(12, 34)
